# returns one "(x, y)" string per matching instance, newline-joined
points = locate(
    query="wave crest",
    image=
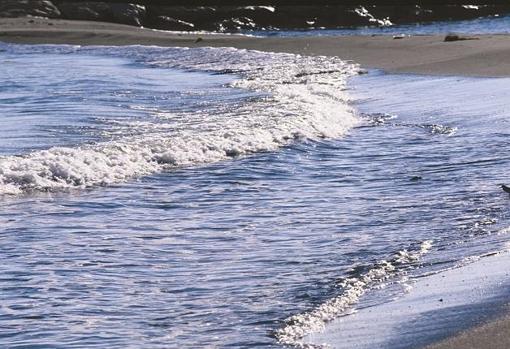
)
(302, 97)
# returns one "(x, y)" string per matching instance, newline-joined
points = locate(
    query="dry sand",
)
(494, 335)
(483, 55)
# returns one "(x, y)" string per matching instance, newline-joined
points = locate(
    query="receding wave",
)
(300, 97)
(298, 326)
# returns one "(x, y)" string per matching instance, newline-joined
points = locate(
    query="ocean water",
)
(182, 198)
(484, 25)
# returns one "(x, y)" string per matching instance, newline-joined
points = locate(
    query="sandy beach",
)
(481, 55)
(477, 56)
(493, 335)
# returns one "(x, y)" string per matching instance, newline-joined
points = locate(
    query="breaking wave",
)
(298, 97)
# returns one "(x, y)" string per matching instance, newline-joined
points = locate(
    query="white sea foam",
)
(301, 97)
(298, 326)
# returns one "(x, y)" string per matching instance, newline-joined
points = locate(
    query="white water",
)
(299, 97)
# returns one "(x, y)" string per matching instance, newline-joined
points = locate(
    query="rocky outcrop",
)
(86, 11)
(124, 13)
(179, 18)
(19, 8)
(239, 18)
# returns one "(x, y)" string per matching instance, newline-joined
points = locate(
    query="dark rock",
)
(333, 16)
(131, 14)
(21, 8)
(187, 14)
(180, 18)
(169, 23)
(236, 24)
(125, 13)
(248, 17)
(86, 11)
(455, 37)
(452, 37)
(224, 18)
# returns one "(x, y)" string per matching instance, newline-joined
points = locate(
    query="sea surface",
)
(499, 24)
(221, 198)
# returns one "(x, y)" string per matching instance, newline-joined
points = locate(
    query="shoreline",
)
(484, 56)
(461, 307)
(480, 56)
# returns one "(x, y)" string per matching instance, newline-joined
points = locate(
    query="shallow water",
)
(78, 100)
(220, 251)
(444, 149)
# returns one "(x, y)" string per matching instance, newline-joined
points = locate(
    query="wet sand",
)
(482, 55)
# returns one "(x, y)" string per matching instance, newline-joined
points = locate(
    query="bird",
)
(505, 188)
